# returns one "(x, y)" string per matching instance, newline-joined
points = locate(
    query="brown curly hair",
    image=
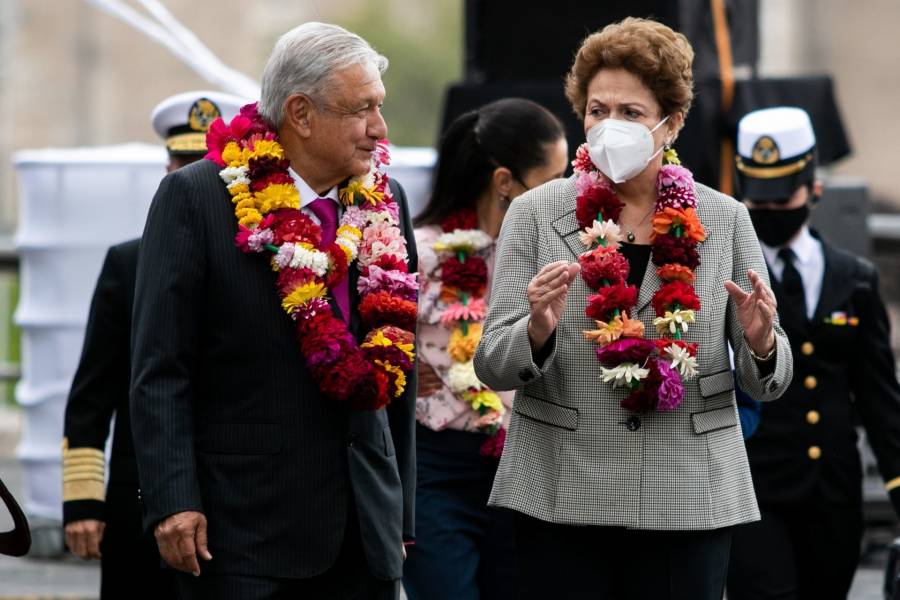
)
(659, 56)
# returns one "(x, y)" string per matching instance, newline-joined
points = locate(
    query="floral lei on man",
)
(364, 376)
(653, 370)
(463, 277)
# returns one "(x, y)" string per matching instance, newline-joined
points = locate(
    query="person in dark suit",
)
(269, 463)
(107, 524)
(803, 457)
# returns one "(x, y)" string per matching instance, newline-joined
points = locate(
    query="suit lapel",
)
(649, 286)
(567, 228)
(836, 283)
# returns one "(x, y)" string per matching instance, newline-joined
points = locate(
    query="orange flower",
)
(449, 294)
(684, 218)
(631, 328)
(675, 272)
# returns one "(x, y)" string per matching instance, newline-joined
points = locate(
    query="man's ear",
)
(299, 114)
(817, 188)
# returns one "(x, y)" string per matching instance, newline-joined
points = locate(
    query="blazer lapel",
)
(567, 228)
(836, 283)
(649, 286)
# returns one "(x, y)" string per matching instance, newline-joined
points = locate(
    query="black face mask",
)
(776, 227)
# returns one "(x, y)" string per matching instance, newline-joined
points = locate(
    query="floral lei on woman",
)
(652, 369)
(364, 376)
(464, 277)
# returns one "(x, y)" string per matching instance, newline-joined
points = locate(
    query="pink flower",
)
(493, 446)
(671, 389)
(475, 310)
(355, 217)
(674, 175)
(582, 162)
(220, 134)
(284, 256)
(382, 152)
(586, 182)
(393, 282)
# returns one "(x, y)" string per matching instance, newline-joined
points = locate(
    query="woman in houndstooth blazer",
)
(611, 503)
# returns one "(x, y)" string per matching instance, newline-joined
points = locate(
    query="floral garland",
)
(463, 277)
(364, 376)
(653, 370)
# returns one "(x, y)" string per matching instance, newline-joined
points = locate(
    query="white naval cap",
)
(183, 119)
(776, 152)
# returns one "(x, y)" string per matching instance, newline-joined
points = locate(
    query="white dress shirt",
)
(309, 195)
(810, 263)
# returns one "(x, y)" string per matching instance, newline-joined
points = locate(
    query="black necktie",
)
(793, 303)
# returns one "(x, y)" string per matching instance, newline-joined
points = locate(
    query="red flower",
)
(646, 396)
(466, 218)
(219, 134)
(675, 294)
(265, 170)
(289, 279)
(663, 343)
(380, 308)
(607, 299)
(259, 126)
(339, 265)
(597, 200)
(389, 262)
(493, 445)
(603, 263)
(469, 276)
(682, 251)
(291, 225)
(625, 350)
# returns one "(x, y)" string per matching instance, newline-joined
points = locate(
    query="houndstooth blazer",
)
(572, 454)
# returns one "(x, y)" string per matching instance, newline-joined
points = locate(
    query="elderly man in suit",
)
(106, 523)
(273, 412)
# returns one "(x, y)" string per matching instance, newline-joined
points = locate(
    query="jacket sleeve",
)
(503, 360)
(402, 411)
(166, 324)
(746, 254)
(100, 382)
(874, 379)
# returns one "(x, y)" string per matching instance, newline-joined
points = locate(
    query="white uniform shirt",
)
(810, 263)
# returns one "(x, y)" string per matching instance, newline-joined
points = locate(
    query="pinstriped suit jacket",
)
(569, 457)
(228, 421)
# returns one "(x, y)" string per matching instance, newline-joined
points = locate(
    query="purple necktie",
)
(325, 210)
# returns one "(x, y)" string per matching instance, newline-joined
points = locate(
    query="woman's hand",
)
(429, 382)
(756, 313)
(547, 294)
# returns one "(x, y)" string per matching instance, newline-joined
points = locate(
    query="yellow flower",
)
(349, 231)
(263, 148)
(355, 190)
(278, 195)
(238, 188)
(251, 219)
(379, 339)
(400, 381)
(232, 155)
(237, 198)
(485, 398)
(301, 295)
(461, 348)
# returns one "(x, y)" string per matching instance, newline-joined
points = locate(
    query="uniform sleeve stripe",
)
(893, 483)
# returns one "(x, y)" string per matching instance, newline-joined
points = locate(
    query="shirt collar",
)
(309, 195)
(804, 248)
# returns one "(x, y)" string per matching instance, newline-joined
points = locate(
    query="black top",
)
(638, 256)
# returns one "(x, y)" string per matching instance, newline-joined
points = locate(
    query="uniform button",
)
(812, 417)
(633, 423)
(526, 375)
(814, 452)
(810, 382)
(807, 348)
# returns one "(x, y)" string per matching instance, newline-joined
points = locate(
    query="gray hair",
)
(303, 60)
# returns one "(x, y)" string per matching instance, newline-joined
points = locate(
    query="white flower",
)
(237, 182)
(463, 240)
(314, 260)
(673, 321)
(285, 253)
(607, 230)
(368, 179)
(463, 378)
(379, 216)
(623, 374)
(350, 244)
(683, 361)
(231, 174)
